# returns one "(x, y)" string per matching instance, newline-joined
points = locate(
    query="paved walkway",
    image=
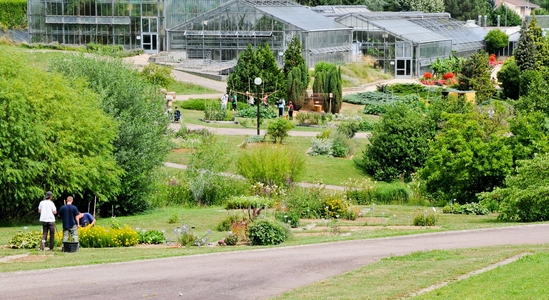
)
(248, 131)
(253, 274)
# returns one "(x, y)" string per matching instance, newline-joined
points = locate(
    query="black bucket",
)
(70, 246)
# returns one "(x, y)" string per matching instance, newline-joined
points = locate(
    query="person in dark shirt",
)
(86, 219)
(69, 214)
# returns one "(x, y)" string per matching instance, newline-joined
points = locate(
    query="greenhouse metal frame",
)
(222, 33)
(405, 44)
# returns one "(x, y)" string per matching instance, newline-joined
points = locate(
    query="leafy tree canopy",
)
(138, 108)
(54, 136)
(496, 40)
(399, 144)
(468, 156)
(466, 9)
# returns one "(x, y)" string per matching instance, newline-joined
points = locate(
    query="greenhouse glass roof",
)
(409, 31)
(302, 17)
(463, 37)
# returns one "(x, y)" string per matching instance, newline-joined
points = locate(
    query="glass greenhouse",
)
(405, 44)
(134, 24)
(222, 33)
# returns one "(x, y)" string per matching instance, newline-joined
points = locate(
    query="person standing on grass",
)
(47, 211)
(70, 215)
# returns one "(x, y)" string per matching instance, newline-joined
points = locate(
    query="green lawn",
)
(329, 170)
(400, 276)
(187, 88)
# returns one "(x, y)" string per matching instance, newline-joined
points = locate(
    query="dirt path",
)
(254, 274)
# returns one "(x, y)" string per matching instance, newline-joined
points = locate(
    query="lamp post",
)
(257, 82)
(331, 96)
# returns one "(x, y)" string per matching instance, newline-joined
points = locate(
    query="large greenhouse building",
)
(222, 33)
(403, 44)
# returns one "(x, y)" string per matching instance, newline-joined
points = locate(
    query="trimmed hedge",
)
(13, 13)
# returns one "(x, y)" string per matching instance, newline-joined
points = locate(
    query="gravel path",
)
(253, 274)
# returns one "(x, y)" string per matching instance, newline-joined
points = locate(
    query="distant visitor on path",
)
(281, 104)
(291, 110)
(69, 214)
(224, 100)
(47, 211)
(234, 102)
(177, 115)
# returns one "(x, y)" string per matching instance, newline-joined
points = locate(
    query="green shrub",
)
(391, 194)
(467, 209)
(108, 50)
(174, 217)
(290, 217)
(13, 13)
(251, 112)
(324, 134)
(307, 201)
(321, 146)
(360, 192)
(230, 240)
(341, 146)
(308, 118)
(265, 232)
(197, 104)
(215, 113)
(271, 165)
(348, 128)
(334, 208)
(231, 219)
(158, 75)
(26, 240)
(243, 202)
(366, 125)
(424, 220)
(151, 237)
(255, 139)
(278, 130)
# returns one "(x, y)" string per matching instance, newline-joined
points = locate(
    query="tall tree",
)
(328, 80)
(509, 76)
(242, 78)
(467, 157)
(540, 42)
(496, 40)
(139, 110)
(466, 9)
(525, 53)
(254, 63)
(54, 136)
(296, 72)
(508, 17)
(399, 144)
(475, 74)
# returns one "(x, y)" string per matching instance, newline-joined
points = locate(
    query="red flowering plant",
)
(427, 75)
(448, 75)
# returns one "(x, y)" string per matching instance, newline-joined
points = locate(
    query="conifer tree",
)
(525, 53)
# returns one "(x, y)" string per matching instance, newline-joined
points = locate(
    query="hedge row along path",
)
(252, 274)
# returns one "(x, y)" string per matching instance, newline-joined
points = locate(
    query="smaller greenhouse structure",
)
(222, 33)
(405, 44)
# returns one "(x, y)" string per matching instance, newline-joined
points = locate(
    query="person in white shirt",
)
(47, 211)
(224, 101)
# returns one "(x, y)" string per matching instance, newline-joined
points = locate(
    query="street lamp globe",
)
(257, 82)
